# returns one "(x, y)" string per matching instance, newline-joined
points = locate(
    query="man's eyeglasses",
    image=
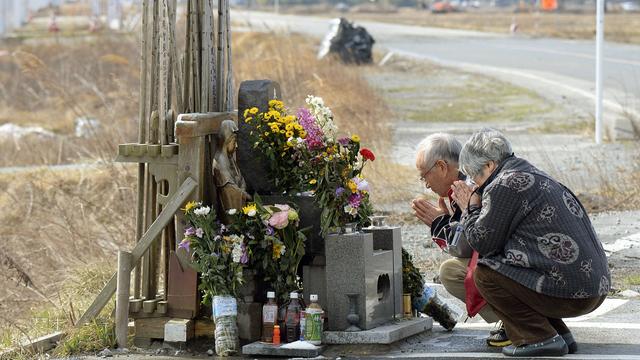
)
(423, 176)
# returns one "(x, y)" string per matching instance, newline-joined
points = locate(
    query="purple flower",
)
(339, 191)
(363, 185)
(245, 256)
(270, 231)
(315, 135)
(189, 231)
(355, 199)
(344, 141)
(184, 244)
(199, 232)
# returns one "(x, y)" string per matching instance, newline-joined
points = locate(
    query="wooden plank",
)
(204, 328)
(163, 219)
(122, 298)
(151, 328)
(149, 306)
(201, 124)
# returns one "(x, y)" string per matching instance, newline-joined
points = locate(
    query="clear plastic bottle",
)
(314, 322)
(293, 318)
(269, 317)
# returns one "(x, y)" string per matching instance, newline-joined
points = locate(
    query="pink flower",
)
(315, 135)
(279, 220)
(283, 207)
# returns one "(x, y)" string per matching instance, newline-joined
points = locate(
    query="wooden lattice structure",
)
(184, 97)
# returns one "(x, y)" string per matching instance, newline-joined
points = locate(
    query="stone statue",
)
(229, 182)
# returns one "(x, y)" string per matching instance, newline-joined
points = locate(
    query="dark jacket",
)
(533, 230)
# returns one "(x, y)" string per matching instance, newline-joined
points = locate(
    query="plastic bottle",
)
(293, 319)
(269, 317)
(302, 323)
(276, 335)
(314, 322)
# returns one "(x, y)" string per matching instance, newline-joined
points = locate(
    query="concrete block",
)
(264, 349)
(178, 330)
(385, 334)
(354, 267)
(249, 321)
(390, 238)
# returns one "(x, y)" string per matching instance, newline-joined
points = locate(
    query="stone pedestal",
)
(254, 93)
(354, 267)
(390, 238)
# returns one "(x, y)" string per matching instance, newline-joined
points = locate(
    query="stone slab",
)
(178, 330)
(249, 321)
(266, 349)
(251, 162)
(385, 334)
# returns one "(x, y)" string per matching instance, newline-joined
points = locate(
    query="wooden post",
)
(122, 298)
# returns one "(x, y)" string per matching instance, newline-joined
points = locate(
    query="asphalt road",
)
(554, 67)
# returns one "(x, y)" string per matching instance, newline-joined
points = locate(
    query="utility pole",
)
(599, 41)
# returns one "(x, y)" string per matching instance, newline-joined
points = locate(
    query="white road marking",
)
(568, 53)
(479, 355)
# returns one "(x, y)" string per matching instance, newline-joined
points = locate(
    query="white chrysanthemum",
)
(202, 211)
(236, 253)
(252, 213)
(232, 211)
(351, 210)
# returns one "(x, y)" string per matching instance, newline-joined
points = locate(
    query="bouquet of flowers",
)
(310, 158)
(220, 255)
(275, 244)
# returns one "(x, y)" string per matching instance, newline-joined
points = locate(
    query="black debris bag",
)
(353, 44)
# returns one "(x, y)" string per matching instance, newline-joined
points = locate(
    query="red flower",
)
(367, 154)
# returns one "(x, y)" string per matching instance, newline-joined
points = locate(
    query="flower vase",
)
(225, 313)
(350, 228)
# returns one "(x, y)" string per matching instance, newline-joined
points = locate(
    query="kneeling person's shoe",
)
(554, 346)
(498, 338)
(571, 342)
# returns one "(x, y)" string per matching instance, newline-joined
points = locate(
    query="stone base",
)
(385, 334)
(265, 349)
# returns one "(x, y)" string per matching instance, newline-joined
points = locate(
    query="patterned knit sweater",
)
(533, 230)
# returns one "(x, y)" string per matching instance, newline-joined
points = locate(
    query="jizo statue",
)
(229, 182)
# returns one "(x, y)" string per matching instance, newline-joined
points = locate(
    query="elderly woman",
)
(540, 259)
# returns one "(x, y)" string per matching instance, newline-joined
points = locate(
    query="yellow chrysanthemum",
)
(355, 138)
(247, 209)
(297, 126)
(289, 134)
(352, 186)
(246, 112)
(289, 127)
(248, 120)
(266, 133)
(313, 181)
(253, 111)
(275, 128)
(190, 205)
(282, 131)
(303, 134)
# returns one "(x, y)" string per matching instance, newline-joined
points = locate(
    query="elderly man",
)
(540, 260)
(437, 162)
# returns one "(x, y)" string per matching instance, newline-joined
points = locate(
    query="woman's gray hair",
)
(438, 146)
(483, 146)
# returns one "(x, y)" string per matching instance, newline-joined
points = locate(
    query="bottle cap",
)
(313, 297)
(271, 295)
(293, 295)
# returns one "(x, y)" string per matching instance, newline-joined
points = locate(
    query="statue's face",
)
(231, 144)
